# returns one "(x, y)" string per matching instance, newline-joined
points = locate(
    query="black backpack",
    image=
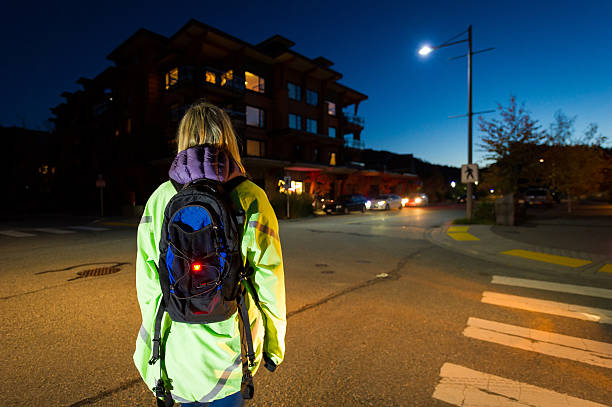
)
(201, 268)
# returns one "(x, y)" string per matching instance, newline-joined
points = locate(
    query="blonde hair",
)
(205, 123)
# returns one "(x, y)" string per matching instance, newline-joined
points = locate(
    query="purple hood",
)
(203, 162)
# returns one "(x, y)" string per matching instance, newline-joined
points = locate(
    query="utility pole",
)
(425, 50)
(470, 186)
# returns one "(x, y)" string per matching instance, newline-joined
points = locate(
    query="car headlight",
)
(368, 204)
(381, 203)
(405, 201)
(418, 200)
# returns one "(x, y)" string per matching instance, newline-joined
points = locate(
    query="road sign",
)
(469, 173)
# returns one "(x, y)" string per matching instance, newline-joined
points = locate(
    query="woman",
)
(202, 363)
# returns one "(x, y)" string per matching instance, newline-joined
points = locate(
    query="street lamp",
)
(426, 50)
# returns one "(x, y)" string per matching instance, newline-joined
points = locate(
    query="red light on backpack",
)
(196, 267)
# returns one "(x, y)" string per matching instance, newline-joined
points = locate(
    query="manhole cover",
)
(321, 265)
(328, 272)
(97, 272)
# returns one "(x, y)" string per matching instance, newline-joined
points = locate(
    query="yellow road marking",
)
(547, 258)
(463, 236)
(606, 268)
(458, 229)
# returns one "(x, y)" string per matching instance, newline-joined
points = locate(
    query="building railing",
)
(356, 144)
(353, 118)
(228, 79)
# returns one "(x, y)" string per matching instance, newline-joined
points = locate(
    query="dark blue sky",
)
(550, 54)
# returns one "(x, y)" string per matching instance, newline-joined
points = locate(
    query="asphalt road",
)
(353, 338)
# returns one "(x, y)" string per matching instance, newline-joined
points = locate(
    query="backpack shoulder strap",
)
(176, 185)
(233, 183)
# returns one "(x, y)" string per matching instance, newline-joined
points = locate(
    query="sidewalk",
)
(482, 242)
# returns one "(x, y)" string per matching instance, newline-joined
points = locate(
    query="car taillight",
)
(196, 267)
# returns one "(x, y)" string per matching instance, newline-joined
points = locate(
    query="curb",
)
(490, 246)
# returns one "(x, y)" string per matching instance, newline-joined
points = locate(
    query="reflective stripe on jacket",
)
(203, 362)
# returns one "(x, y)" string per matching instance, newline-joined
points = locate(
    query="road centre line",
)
(550, 286)
(134, 225)
(547, 343)
(89, 228)
(606, 268)
(547, 258)
(548, 307)
(465, 387)
(55, 231)
(14, 233)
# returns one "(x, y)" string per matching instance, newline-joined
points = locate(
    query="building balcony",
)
(224, 79)
(354, 119)
(356, 144)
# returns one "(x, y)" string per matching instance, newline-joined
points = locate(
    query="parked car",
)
(386, 202)
(415, 199)
(538, 197)
(345, 204)
(463, 198)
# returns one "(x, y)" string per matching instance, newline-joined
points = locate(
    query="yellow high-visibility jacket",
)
(203, 362)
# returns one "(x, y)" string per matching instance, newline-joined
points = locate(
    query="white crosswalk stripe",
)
(14, 233)
(461, 386)
(547, 343)
(548, 307)
(55, 231)
(550, 286)
(465, 387)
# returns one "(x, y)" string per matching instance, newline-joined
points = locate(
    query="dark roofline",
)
(276, 39)
(140, 32)
(323, 61)
(255, 48)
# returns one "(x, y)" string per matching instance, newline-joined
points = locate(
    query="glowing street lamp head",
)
(425, 50)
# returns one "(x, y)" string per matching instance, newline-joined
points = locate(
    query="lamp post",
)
(453, 41)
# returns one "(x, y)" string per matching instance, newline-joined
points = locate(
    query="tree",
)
(512, 143)
(575, 166)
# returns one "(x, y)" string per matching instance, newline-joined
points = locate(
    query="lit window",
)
(171, 78)
(332, 159)
(331, 108)
(227, 77)
(312, 97)
(254, 116)
(254, 82)
(255, 148)
(295, 92)
(295, 121)
(311, 126)
(332, 132)
(297, 187)
(211, 77)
